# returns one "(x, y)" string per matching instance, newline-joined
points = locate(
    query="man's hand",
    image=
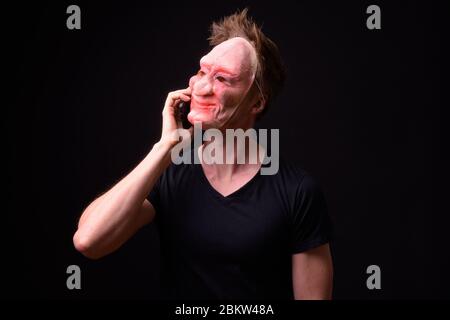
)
(171, 125)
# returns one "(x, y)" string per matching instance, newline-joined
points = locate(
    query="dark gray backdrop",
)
(360, 111)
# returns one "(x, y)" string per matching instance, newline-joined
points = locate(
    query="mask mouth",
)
(202, 105)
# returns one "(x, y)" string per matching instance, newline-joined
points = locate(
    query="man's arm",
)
(114, 217)
(312, 274)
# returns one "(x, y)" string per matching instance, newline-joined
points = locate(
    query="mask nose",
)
(202, 86)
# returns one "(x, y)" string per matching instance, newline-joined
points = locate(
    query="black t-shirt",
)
(238, 246)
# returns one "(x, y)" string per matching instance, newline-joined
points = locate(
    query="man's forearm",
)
(109, 216)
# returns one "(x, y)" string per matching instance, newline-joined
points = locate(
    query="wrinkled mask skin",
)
(219, 90)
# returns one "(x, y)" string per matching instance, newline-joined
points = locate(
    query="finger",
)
(185, 97)
(173, 97)
(187, 91)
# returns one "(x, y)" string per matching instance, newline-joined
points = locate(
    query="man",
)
(226, 230)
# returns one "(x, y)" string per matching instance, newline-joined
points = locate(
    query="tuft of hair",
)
(270, 72)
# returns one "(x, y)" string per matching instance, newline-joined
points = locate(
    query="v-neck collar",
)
(235, 194)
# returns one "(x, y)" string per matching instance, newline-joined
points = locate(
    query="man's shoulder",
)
(289, 169)
(177, 171)
(295, 175)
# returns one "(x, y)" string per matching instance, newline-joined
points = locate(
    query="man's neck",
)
(237, 158)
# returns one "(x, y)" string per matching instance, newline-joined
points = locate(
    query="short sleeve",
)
(155, 196)
(311, 224)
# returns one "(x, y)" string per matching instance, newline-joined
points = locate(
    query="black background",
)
(360, 112)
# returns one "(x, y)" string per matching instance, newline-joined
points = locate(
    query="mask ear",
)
(259, 106)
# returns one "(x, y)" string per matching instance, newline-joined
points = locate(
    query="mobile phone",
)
(183, 109)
